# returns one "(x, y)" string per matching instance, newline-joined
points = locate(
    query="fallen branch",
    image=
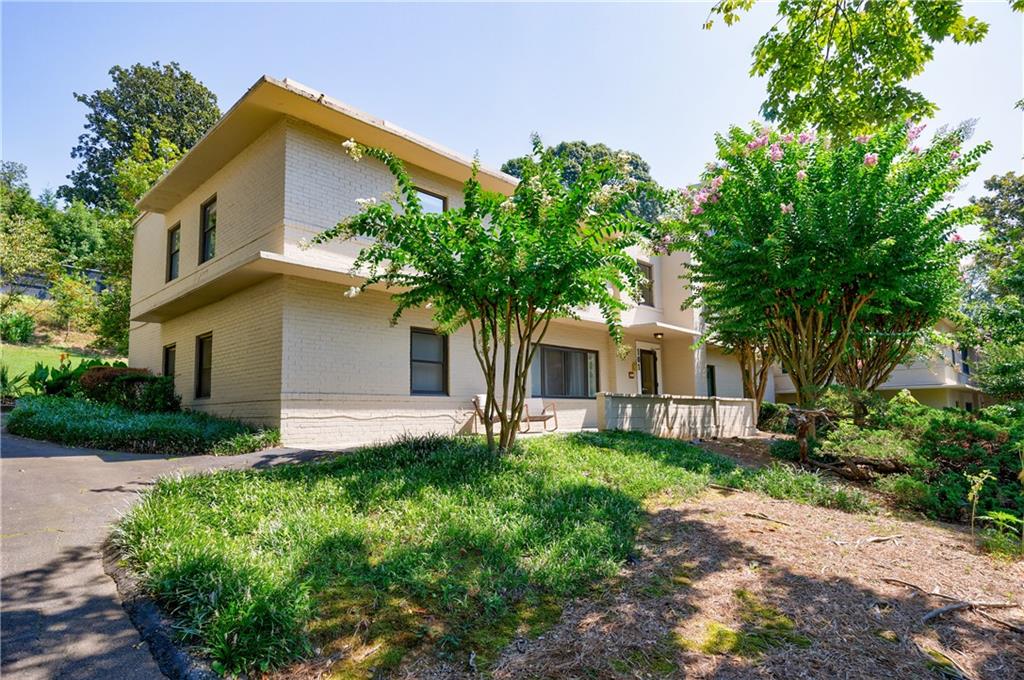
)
(879, 539)
(766, 518)
(964, 604)
(958, 604)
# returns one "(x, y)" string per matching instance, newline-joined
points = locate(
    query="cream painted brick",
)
(247, 350)
(250, 214)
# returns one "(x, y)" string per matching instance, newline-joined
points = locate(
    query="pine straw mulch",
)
(707, 563)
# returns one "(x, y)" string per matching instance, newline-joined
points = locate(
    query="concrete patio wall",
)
(680, 417)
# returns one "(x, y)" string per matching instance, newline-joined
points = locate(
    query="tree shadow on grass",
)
(698, 603)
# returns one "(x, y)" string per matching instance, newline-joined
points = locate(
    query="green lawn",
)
(23, 358)
(428, 543)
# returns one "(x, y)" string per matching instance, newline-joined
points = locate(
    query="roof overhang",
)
(269, 100)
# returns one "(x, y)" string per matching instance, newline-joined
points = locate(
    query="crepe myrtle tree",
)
(504, 266)
(799, 236)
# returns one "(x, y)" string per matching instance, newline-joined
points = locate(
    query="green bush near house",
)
(78, 422)
(938, 449)
(425, 543)
(17, 327)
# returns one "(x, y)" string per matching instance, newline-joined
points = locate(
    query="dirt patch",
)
(716, 593)
(750, 452)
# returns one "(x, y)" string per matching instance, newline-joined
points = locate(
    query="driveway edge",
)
(153, 626)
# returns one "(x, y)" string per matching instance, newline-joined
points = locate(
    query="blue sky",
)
(474, 77)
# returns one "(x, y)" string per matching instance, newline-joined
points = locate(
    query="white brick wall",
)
(345, 378)
(246, 373)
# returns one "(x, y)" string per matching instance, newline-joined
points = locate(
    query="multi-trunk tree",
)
(505, 266)
(804, 239)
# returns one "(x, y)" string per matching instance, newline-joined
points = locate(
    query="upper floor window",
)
(208, 230)
(647, 289)
(564, 372)
(432, 203)
(173, 251)
(428, 362)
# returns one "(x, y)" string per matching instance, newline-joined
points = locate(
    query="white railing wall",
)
(675, 416)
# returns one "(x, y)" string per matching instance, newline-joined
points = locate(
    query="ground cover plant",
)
(78, 422)
(423, 544)
(948, 464)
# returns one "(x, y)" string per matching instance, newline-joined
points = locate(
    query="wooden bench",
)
(534, 411)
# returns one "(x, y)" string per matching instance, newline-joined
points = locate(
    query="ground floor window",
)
(710, 376)
(428, 362)
(204, 365)
(564, 372)
(170, 355)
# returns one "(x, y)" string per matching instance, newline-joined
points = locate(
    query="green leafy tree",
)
(25, 249)
(800, 235)
(578, 155)
(504, 265)
(843, 65)
(74, 301)
(158, 101)
(999, 264)
(133, 177)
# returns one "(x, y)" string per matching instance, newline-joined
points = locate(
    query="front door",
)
(648, 371)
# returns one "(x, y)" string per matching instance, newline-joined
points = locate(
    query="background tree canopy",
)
(575, 156)
(159, 102)
(842, 65)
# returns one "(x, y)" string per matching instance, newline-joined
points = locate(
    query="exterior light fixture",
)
(659, 336)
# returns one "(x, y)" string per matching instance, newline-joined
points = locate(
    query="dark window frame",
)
(204, 232)
(170, 350)
(711, 380)
(648, 290)
(444, 363)
(171, 233)
(444, 199)
(539, 356)
(200, 368)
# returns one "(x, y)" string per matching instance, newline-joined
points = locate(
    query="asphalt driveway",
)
(61, 616)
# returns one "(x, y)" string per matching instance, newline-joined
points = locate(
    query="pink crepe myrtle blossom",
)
(696, 210)
(788, 137)
(914, 131)
(956, 238)
(801, 175)
(915, 149)
(863, 139)
(786, 208)
(871, 159)
(717, 182)
(806, 137)
(758, 142)
(954, 155)
(775, 152)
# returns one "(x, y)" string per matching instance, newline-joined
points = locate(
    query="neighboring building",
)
(942, 380)
(254, 326)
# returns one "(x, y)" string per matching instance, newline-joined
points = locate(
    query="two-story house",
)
(941, 379)
(253, 325)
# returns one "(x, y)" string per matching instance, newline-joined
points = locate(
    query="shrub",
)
(847, 440)
(906, 490)
(63, 380)
(788, 483)
(77, 422)
(12, 386)
(17, 327)
(132, 388)
(774, 418)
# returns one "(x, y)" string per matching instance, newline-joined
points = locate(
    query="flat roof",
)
(270, 99)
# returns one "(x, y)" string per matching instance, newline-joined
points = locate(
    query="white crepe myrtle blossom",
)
(353, 149)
